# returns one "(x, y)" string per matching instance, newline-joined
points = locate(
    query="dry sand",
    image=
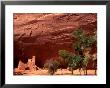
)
(58, 72)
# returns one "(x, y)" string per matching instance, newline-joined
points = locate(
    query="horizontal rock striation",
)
(43, 35)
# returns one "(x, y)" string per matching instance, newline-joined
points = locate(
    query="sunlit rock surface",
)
(42, 35)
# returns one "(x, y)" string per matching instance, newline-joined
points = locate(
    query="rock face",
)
(43, 35)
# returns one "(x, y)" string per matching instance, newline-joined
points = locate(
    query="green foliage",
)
(83, 41)
(65, 54)
(89, 41)
(72, 64)
(85, 61)
(75, 61)
(77, 47)
(78, 33)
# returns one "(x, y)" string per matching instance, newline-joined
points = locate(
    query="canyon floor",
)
(58, 72)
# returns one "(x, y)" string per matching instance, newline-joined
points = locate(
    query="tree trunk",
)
(86, 71)
(95, 72)
(72, 71)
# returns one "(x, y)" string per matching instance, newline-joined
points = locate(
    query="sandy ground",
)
(58, 72)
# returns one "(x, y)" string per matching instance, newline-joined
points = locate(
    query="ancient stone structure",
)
(21, 66)
(31, 64)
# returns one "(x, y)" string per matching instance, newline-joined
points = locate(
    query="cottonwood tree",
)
(74, 62)
(84, 41)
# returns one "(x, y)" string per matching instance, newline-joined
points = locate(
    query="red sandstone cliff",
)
(43, 35)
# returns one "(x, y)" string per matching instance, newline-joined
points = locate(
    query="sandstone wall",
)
(42, 35)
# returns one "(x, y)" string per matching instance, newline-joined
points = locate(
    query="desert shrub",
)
(64, 54)
(52, 66)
